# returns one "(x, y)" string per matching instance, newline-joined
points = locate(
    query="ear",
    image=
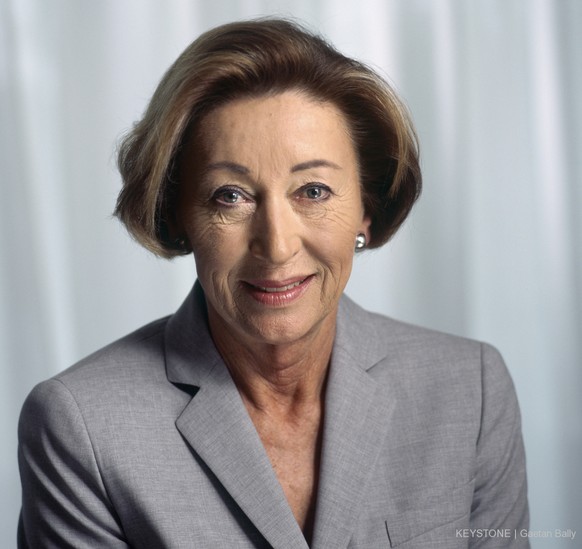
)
(173, 232)
(170, 226)
(365, 227)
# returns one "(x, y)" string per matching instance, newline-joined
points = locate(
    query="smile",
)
(278, 293)
(272, 290)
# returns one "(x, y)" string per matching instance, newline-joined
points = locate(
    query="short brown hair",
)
(249, 59)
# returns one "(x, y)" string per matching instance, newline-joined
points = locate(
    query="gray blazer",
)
(147, 444)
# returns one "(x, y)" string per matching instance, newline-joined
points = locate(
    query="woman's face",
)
(270, 202)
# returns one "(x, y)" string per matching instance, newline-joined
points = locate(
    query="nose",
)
(276, 232)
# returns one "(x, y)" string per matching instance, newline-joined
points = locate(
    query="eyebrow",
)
(318, 163)
(230, 166)
(243, 170)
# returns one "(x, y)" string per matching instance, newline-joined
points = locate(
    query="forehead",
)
(287, 123)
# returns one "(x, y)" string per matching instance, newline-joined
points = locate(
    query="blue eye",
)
(316, 192)
(228, 197)
(313, 192)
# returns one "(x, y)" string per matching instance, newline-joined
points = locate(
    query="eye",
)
(315, 191)
(229, 196)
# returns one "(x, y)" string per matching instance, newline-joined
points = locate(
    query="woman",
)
(270, 410)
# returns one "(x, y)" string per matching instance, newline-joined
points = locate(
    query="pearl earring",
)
(360, 242)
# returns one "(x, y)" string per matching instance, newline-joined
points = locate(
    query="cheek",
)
(216, 246)
(206, 230)
(338, 226)
(333, 242)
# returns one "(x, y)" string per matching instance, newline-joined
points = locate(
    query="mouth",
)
(278, 292)
(274, 287)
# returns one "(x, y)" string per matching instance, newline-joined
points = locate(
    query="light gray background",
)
(492, 251)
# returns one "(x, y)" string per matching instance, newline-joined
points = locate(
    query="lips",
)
(276, 289)
(278, 292)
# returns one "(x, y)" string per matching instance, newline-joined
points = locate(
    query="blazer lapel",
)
(356, 420)
(217, 426)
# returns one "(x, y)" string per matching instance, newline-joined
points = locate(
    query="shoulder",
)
(141, 351)
(408, 342)
(425, 363)
(106, 379)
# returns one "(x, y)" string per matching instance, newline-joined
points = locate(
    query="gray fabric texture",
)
(147, 443)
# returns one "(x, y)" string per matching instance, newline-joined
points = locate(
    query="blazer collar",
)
(217, 426)
(357, 414)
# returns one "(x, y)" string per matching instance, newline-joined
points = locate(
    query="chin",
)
(282, 329)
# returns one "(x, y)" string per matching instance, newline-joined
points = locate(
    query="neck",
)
(279, 378)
